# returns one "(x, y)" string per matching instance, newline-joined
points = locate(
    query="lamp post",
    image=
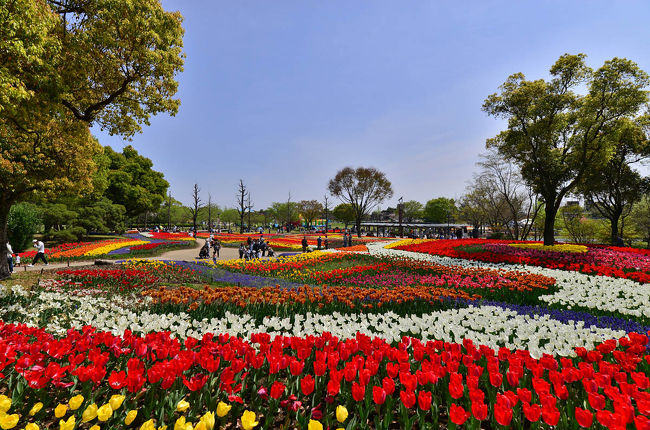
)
(399, 211)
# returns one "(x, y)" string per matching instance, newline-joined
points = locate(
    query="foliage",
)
(554, 134)
(133, 183)
(66, 66)
(613, 188)
(344, 213)
(23, 222)
(411, 210)
(310, 210)
(440, 210)
(576, 225)
(363, 188)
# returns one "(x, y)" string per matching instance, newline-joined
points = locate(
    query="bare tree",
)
(506, 190)
(196, 205)
(242, 204)
(249, 206)
(289, 214)
(363, 188)
(326, 212)
(210, 212)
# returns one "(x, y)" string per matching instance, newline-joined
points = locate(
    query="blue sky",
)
(282, 94)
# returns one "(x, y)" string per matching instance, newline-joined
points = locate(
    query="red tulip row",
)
(616, 262)
(460, 384)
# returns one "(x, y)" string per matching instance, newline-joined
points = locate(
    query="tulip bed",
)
(619, 262)
(380, 337)
(135, 244)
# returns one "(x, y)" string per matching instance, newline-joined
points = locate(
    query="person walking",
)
(304, 244)
(10, 258)
(40, 252)
(319, 242)
(327, 243)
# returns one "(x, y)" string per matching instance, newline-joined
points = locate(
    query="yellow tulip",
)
(182, 406)
(162, 428)
(60, 410)
(130, 417)
(5, 403)
(341, 413)
(180, 424)
(248, 420)
(208, 420)
(95, 427)
(68, 425)
(116, 401)
(32, 426)
(314, 425)
(34, 410)
(8, 421)
(90, 413)
(223, 409)
(148, 425)
(76, 402)
(105, 412)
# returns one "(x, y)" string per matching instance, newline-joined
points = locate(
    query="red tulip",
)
(307, 385)
(424, 400)
(503, 414)
(596, 401)
(584, 417)
(333, 387)
(358, 391)
(532, 412)
(277, 389)
(479, 410)
(457, 414)
(378, 395)
(196, 382)
(551, 416)
(496, 379)
(641, 422)
(388, 385)
(456, 387)
(408, 398)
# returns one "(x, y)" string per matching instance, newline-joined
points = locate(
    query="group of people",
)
(255, 248)
(40, 255)
(211, 243)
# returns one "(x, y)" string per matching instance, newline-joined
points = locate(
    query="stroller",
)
(204, 252)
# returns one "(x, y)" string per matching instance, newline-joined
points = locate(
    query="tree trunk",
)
(549, 223)
(613, 221)
(358, 224)
(4, 216)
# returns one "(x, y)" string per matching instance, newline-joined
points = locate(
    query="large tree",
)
(364, 188)
(556, 135)
(66, 65)
(614, 187)
(411, 210)
(133, 183)
(344, 213)
(310, 210)
(440, 210)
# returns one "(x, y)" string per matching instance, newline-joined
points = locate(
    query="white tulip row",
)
(575, 289)
(487, 325)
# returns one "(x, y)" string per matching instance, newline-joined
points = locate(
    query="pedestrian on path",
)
(304, 244)
(40, 252)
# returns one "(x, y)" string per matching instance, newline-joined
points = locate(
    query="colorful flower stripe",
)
(316, 378)
(168, 236)
(562, 247)
(351, 297)
(606, 261)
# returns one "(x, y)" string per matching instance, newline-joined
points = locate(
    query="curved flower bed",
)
(119, 381)
(616, 262)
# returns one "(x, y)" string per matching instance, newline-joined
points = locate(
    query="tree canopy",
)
(65, 66)
(554, 134)
(440, 210)
(363, 188)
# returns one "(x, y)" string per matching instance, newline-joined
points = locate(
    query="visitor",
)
(216, 247)
(327, 243)
(270, 251)
(319, 241)
(241, 251)
(10, 258)
(40, 252)
(304, 244)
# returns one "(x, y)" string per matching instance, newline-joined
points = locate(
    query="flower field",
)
(287, 241)
(386, 336)
(135, 244)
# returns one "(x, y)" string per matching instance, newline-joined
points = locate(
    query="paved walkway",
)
(177, 255)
